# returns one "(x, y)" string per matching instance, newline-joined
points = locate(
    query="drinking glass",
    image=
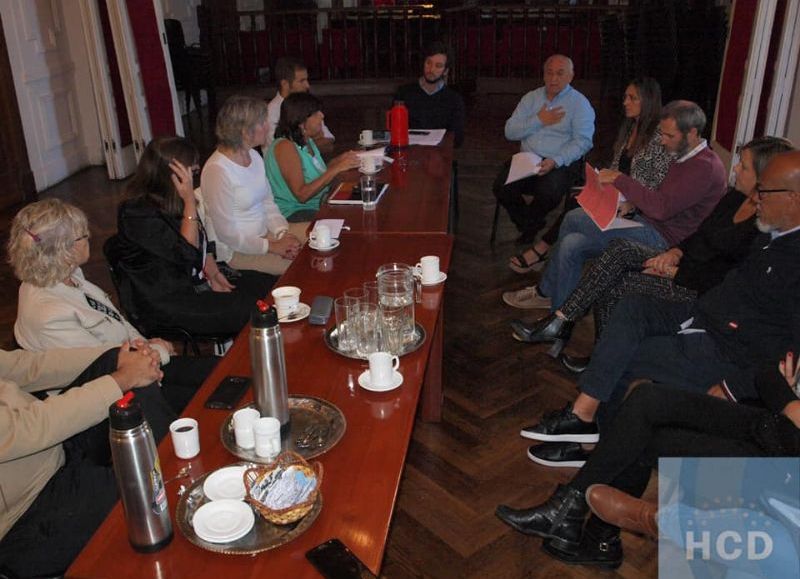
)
(369, 192)
(346, 310)
(371, 291)
(368, 330)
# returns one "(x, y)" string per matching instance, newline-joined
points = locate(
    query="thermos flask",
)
(138, 473)
(270, 389)
(397, 123)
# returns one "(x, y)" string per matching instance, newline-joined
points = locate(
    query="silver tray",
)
(318, 421)
(331, 336)
(262, 537)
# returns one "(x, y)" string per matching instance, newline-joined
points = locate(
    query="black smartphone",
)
(228, 393)
(335, 561)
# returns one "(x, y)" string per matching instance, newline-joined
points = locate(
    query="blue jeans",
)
(580, 239)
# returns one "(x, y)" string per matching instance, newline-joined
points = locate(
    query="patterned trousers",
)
(616, 273)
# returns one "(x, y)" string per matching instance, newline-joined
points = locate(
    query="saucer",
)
(440, 279)
(223, 521)
(365, 382)
(225, 483)
(334, 244)
(301, 313)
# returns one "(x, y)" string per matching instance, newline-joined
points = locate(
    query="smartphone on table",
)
(335, 561)
(229, 391)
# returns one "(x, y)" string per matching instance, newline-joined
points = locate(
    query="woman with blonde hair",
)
(250, 230)
(59, 308)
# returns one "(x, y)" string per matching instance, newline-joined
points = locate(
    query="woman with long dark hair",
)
(298, 175)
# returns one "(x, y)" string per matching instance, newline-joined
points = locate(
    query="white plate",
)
(301, 313)
(440, 279)
(334, 244)
(223, 521)
(365, 382)
(225, 483)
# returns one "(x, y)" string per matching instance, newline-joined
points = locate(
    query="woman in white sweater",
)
(59, 308)
(250, 230)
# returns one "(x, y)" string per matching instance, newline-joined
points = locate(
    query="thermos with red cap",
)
(397, 124)
(270, 389)
(138, 473)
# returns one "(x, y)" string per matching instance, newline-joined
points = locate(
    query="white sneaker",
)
(527, 299)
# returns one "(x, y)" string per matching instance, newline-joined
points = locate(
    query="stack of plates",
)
(223, 521)
(226, 517)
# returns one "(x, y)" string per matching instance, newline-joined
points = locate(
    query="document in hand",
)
(601, 202)
(523, 165)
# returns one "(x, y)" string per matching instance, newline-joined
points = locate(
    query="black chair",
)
(191, 65)
(126, 293)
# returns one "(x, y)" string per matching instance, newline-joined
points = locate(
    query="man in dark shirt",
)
(714, 344)
(430, 102)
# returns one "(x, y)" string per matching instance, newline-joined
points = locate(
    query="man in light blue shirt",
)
(556, 122)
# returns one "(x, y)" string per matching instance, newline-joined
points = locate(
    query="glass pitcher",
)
(396, 292)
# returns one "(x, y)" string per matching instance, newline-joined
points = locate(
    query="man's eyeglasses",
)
(764, 192)
(82, 237)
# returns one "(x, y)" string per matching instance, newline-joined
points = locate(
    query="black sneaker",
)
(559, 454)
(562, 426)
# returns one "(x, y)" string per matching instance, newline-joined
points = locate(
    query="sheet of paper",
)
(600, 202)
(523, 165)
(379, 152)
(335, 225)
(431, 138)
(622, 223)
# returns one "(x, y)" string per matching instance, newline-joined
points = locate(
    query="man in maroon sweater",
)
(694, 184)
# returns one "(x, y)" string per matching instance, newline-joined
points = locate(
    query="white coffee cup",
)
(321, 236)
(369, 164)
(287, 298)
(267, 432)
(382, 366)
(185, 437)
(428, 268)
(365, 139)
(243, 421)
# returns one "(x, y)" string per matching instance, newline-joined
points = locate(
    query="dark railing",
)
(386, 42)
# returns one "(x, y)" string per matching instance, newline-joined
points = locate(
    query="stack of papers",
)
(523, 165)
(426, 137)
(601, 202)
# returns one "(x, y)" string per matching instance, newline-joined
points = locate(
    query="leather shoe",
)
(606, 553)
(559, 454)
(527, 298)
(548, 329)
(575, 364)
(622, 510)
(562, 426)
(560, 519)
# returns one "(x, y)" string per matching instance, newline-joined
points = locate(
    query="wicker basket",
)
(290, 514)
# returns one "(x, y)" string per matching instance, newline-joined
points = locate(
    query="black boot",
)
(549, 329)
(576, 364)
(560, 519)
(600, 546)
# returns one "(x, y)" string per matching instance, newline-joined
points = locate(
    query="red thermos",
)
(397, 124)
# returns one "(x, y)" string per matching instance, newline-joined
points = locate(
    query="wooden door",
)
(16, 177)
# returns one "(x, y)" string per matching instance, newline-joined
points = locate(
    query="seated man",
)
(713, 343)
(292, 76)
(556, 122)
(431, 103)
(55, 475)
(694, 184)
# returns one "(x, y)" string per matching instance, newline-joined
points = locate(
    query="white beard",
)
(763, 227)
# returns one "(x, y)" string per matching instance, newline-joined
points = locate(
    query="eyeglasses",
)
(764, 192)
(82, 237)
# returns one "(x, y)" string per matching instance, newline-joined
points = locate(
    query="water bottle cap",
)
(125, 413)
(264, 315)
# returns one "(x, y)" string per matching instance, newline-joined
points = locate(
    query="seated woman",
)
(250, 231)
(660, 421)
(59, 308)
(164, 256)
(679, 274)
(296, 171)
(638, 152)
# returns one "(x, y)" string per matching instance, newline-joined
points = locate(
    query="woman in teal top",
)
(296, 171)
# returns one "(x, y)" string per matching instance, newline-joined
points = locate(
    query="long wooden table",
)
(363, 471)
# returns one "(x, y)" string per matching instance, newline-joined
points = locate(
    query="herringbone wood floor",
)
(457, 471)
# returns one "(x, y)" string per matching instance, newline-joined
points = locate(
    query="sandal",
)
(522, 265)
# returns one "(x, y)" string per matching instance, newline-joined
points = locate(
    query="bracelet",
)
(192, 217)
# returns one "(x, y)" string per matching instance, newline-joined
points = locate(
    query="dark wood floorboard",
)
(457, 471)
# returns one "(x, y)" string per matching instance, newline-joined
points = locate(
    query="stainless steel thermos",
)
(270, 390)
(138, 472)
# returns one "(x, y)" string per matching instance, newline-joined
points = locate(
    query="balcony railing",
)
(386, 42)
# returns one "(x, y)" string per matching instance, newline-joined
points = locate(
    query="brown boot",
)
(622, 510)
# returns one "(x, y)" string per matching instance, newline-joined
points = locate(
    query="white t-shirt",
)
(274, 115)
(239, 203)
